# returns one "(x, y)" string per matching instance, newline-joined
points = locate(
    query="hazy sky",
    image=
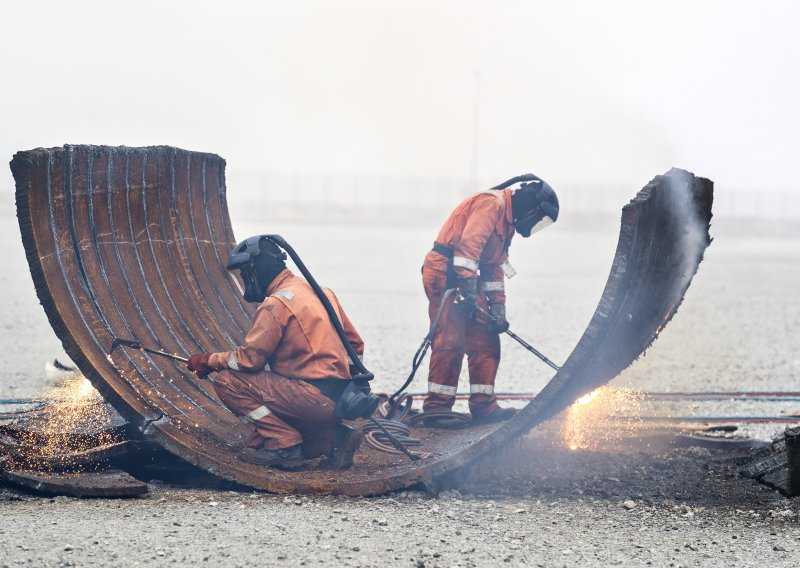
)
(593, 92)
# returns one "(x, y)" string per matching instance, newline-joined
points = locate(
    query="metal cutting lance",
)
(512, 335)
(133, 344)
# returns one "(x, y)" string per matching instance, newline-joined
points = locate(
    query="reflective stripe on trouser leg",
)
(447, 351)
(246, 398)
(442, 389)
(483, 360)
(256, 414)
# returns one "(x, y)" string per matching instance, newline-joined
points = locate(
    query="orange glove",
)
(198, 364)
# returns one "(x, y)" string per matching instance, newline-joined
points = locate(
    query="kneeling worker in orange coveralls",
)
(286, 377)
(471, 253)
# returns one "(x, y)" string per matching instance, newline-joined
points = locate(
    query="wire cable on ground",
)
(787, 396)
(377, 438)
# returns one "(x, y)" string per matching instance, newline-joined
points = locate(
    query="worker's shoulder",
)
(291, 291)
(492, 198)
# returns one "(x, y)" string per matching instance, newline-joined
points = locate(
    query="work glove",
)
(498, 323)
(469, 290)
(198, 364)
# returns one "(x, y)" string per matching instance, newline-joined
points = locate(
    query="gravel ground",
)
(539, 503)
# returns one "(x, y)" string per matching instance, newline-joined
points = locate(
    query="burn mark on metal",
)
(130, 242)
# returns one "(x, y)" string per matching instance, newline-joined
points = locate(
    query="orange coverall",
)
(478, 233)
(266, 381)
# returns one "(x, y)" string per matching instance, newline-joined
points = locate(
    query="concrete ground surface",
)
(537, 503)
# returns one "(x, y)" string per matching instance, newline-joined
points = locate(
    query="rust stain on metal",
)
(131, 242)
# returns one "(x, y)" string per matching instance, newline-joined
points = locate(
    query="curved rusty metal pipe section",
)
(131, 242)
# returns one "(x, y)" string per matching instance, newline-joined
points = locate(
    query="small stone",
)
(778, 548)
(68, 548)
(629, 504)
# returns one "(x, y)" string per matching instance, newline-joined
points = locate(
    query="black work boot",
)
(499, 415)
(445, 420)
(346, 441)
(283, 458)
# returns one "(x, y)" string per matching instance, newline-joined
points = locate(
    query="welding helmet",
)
(259, 261)
(356, 401)
(534, 206)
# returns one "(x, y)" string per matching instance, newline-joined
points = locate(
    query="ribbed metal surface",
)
(131, 242)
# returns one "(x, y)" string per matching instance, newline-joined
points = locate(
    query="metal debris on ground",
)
(778, 465)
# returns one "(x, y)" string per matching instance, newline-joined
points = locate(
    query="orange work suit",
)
(268, 380)
(476, 237)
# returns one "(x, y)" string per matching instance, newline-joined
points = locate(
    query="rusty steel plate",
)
(108, 483)
(132, 242)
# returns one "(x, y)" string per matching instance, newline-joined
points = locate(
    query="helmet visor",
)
(544, 223)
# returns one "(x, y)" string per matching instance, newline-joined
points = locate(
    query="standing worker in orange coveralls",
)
(286, 377)
(471, 253)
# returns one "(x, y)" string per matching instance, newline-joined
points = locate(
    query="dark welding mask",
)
(258, 260)
(356, 401)
(534, 206)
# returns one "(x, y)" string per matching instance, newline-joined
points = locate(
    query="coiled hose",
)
(399, 430)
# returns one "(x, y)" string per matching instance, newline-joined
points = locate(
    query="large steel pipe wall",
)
(131, 242)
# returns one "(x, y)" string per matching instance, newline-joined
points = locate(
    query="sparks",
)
(592, 421)
(74, 407)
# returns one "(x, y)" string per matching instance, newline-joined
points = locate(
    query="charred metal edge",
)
(78, 485)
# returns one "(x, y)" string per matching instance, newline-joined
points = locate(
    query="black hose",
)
(363, 373)
(419, 356)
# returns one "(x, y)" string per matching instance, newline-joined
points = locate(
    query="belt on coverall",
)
(447, 252)
(332, 388)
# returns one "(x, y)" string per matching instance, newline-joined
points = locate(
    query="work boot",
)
(445, 420)
(346, 441)
(283, 458)
(499, 415)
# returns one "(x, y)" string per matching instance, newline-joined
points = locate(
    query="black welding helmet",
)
(534, 206)
(259, 261)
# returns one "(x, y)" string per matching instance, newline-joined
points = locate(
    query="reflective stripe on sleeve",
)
(481, 389)
(257, 414)
(441, 389)
(233, 364)
(493, 286)
(467, 263)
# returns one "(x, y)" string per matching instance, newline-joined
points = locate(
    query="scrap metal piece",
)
(108, 483)
(131, 242)
(778, 465)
